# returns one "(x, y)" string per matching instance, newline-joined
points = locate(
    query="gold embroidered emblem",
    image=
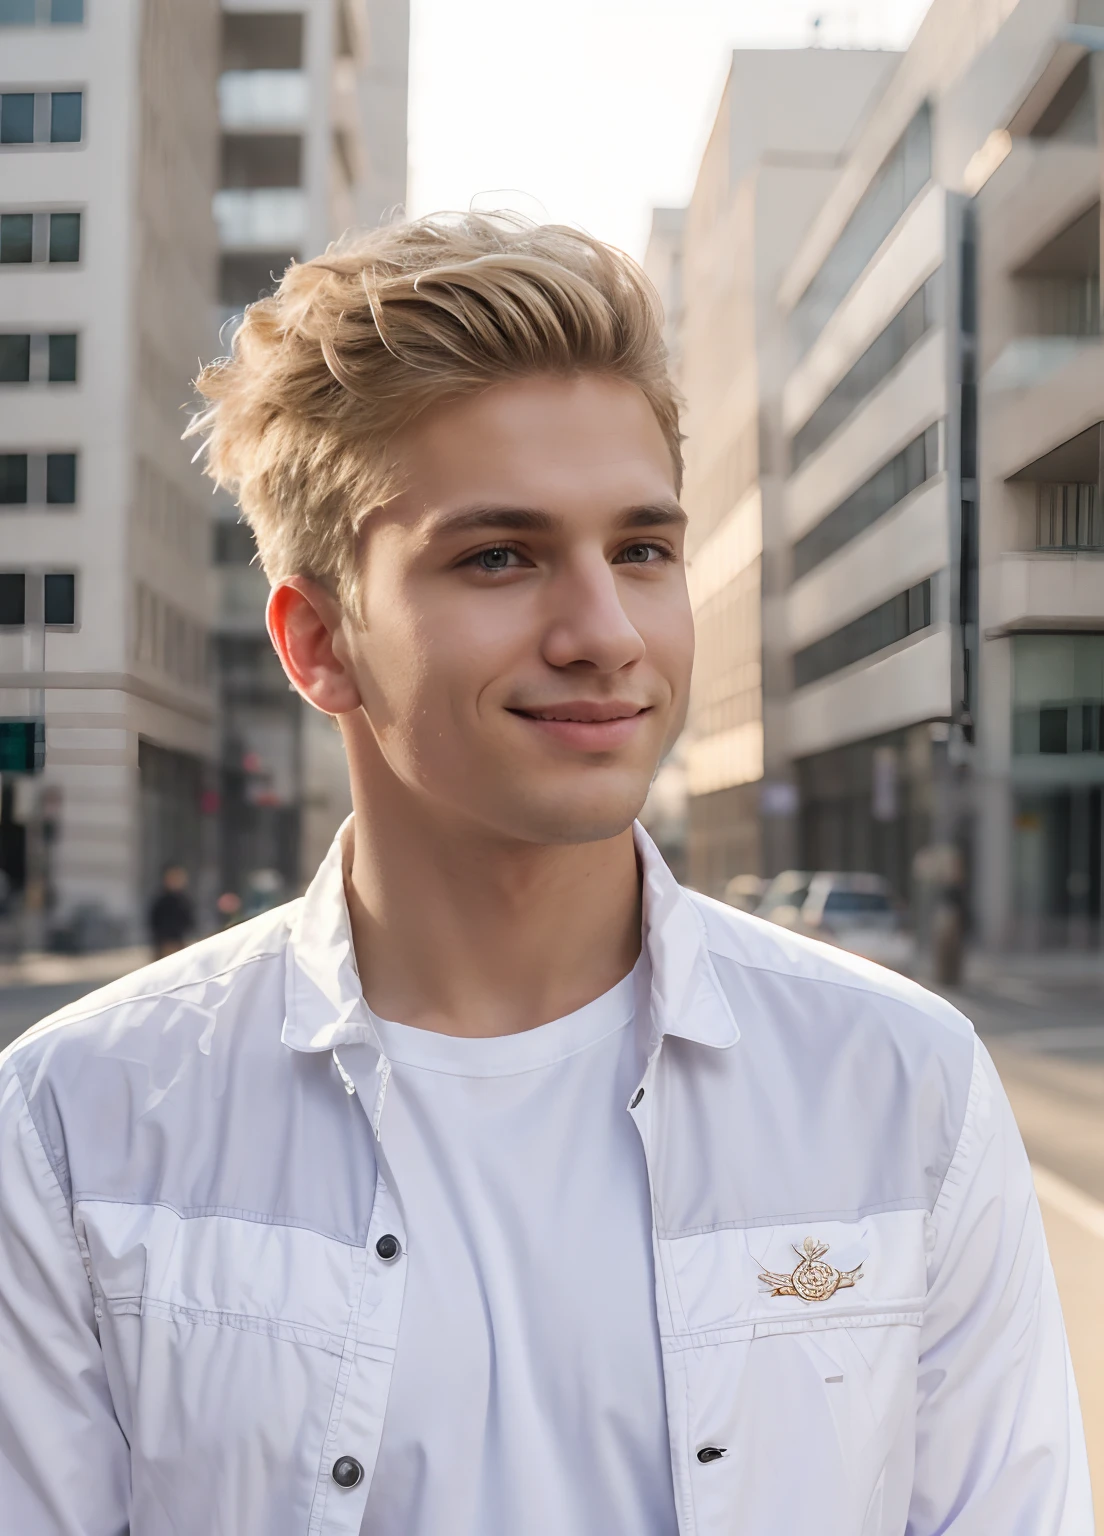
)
(812, 1279)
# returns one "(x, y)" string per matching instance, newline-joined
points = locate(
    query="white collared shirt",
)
(203, 1251)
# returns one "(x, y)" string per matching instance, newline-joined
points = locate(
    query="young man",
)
(499, 1187)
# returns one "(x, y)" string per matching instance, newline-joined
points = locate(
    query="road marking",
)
(1069, 1200)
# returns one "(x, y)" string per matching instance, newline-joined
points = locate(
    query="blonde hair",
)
(352, 346)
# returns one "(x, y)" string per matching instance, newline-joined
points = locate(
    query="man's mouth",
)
(587, 725)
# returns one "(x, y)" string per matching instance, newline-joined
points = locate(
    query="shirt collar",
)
(325, 1006)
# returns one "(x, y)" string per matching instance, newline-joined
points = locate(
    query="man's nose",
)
(587, 623)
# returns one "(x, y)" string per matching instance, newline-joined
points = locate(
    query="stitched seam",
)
(229, 1213)
(143, 997)
(746, 1333)
(214, 1317)
(882, 1208)
(959, 1155)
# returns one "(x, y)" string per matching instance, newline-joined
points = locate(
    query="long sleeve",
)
(64, 1467)
(999, 1446)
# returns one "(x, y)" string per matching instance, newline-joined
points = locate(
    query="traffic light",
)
(22, 746)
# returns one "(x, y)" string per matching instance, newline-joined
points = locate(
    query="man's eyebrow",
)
(473, 519)
(664, 514)
(537, 520)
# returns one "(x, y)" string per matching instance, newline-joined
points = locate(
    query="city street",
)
(1046, 1033)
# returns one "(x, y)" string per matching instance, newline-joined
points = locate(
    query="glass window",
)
(66, 13)
(905, 172)
(17, 118)
(65, 229)
(1069, 517)
(13, 598)
(61, 479)
(65, 117)
(15, 359)
(13, 479)
(16, 231)
(1057, 694)
(63, 360)
(17, 13)
(60, 599)
(907, 470)
(839, 901)
(911, 322)
(894, 620)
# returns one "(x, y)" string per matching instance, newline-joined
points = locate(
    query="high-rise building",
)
(160, 163)
(786, 120)
(312, 105)
(108, 148)
(946, 605)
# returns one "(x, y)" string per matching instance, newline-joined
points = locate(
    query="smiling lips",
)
(586, 725)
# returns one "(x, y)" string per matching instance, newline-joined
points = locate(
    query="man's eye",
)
(640, 554)
(497, 559)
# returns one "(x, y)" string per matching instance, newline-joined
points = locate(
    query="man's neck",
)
(466, 935)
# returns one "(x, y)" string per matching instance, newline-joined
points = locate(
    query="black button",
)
(347, 1472)
(636, 1098)
(710, 1453)
(388, 1247)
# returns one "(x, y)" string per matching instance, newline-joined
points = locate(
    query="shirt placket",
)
(355, 1428)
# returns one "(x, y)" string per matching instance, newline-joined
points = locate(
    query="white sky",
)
(590, 111)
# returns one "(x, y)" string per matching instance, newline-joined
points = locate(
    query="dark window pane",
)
(17, 118)
(66, 12)
(13, 597)
(234, 544)
(15, 359)
(13, 479)
(63, 360)
(65, 236)
(60, 599)
(17, 13)
(15, 236)
(65, 117)
(61, 478)
(1053, 730)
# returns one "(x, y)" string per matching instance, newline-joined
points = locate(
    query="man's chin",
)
(571, 816)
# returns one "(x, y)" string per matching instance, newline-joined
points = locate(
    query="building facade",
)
(312, 107)
(785, 122)
(945, 603)
(108, 147)
(160, 163)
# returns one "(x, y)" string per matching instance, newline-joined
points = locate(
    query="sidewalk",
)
(40, 969)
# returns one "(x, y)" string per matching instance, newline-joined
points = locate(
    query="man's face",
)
(525, 651)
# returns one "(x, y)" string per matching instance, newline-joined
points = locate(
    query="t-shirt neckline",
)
(508, 1055)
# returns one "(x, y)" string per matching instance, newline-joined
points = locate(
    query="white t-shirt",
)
(527, 1397)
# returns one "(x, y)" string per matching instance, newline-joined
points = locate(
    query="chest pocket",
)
(797, 1347)
(223, 1342)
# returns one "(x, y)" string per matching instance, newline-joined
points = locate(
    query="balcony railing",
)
(1069, 517)
(262, 98)
(260, 218)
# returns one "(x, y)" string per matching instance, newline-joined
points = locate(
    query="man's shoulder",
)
(753, 956)
(203, 977)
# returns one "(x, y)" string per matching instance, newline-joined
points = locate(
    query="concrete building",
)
(785, 122)
(312, 103)
(160, 163)
(945, 599)
(108, 149)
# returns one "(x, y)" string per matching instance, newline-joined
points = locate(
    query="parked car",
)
(857, 912)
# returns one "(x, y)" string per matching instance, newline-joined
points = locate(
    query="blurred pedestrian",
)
(171, 914)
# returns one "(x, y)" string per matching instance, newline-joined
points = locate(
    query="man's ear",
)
(303, 620)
